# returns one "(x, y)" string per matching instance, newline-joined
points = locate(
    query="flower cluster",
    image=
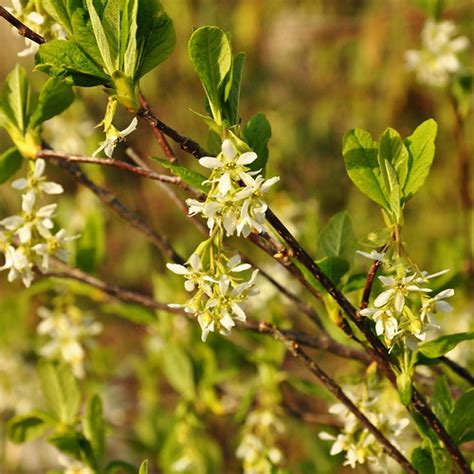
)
(257, 449)
(234, 205)
(359, 445)
(28, 239)
(236, 199)
(26, 12)
(404, 310)
(220, 291)
(67, 330)
(437, 60)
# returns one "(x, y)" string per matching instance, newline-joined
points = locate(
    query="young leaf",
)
(120, 467)
(334, 268)
(75, 445)
(156, 37)
(443, 344)
(190, 177)
(60, 390)
(360, 157)
(421, 149)
(94, 426)
(441, 400)
(422, 461)
(15, 100)
(10, 162)
(68, 62)
(54, 98)
(404, 388)
(338, 239)
(58, 10)
(211, 55)
(461, 421)
(257, 133)
(232, 105)
(27, 427)
(393, 150)
(143, 467)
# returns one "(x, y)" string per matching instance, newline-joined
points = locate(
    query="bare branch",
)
(23, 30)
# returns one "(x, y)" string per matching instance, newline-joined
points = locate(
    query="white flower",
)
(36, 181)
(385, 322)
(399, 288)
(114, 136)
(19, 265)
(373, 255)
(432, 306)
(437, 59)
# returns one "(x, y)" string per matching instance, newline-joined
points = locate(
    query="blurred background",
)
(316, 69)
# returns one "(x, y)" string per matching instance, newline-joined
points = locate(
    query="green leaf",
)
(10, 162)
(94, 426)
(441, 400)
(90, 247)
(130, 57)
(338, 239)
(15, 100)
(354, 282)
(110, 62)
(194, 179)
(156, 37)
(360, 157)
(334, 268)
(178, 369)
(232, 105)
(421, 149)
(143, 467)
(211, 55)
(443, 344)
(67, 61)
(55, 97)
(422, 461)
(58, 10)
(393, 150)
(461, 421)
(257, 133)
(27, 427)
(60, 390)
(75, 445)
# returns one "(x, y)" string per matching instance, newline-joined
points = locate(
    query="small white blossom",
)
(373, 255)
(437, 60)
(113, 137)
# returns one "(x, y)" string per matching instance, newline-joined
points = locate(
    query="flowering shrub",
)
(122, 368)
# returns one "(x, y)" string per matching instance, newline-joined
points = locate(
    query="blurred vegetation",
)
(316, 68)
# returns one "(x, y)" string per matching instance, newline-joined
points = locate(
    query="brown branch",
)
(110, 200)
(23, 30)
(159, 135)
(294, 348)
(146, 173)
(371, 274)
(458, 369)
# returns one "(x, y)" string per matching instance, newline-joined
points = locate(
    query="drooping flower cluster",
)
(40, 22)
(220, 291)
(28, 239)
(235, 202)
(67, 330)
(359, 445)
(234, 205)
(437, 60)
(404, 310)
(257, 448)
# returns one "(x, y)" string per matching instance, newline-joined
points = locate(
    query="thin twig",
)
(110, 200)
(294, 348)
(175, 180)
(458, 369)
(22, 29)
(128, 296)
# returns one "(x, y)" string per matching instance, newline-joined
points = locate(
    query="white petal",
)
(24, 234)
(189, 285)
(445, 294)
(399, 302)
(270, 182)
(379, 329)
(443, 307)
(28, 201)
(387, 281)
(40, 165)
(51, 188)
(383, 298)
(247, 158)
(225, 184)
(228, 149)
(195, 262)
(178, 269)
(210, 162)
(19, 184)
(131, 128)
